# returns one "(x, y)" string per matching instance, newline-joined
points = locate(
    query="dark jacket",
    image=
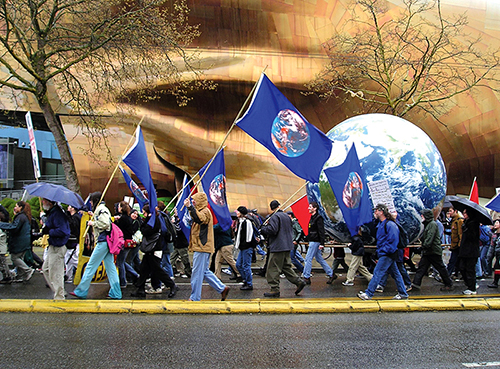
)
(126, 224)
(242, 228)
(181, 241)
(148, 231)
(431, 239)
(469, 245)
(58, 224)
(19, 233)
(279, 230)
(316, 229)
(74, 227)
(222, 238)
(357, 246)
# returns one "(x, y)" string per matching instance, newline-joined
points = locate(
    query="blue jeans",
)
(314, 252)
(402, 271)
(165, 263)
(124, 267)
(295, 261)
(100, 253)
(200, 273)
(485, 265)
(244, 265)
(386, 265)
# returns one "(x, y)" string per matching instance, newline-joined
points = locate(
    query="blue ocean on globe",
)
(290, 134)
(390, 148)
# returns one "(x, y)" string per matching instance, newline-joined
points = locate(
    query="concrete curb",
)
(256, 306)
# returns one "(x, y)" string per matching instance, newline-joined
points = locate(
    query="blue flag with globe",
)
(214, 185)
(182, 212)
(275, 123)
(349, 186)
(134, 188)
(136, 159)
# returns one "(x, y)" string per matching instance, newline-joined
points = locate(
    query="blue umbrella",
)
(55, 192)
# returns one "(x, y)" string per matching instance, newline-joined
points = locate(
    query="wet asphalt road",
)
(387, 340)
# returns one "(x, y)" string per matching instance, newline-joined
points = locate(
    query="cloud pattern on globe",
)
(389, 148)
(217, 190)
(289, 134)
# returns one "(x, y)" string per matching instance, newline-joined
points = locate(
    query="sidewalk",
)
(319, 297)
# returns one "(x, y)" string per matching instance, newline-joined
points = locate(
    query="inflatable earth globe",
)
(390, 148)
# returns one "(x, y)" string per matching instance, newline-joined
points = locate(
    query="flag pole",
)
(291, 197)
(472, 188)
(230, 129)
(300, 198)
(120, 160)
(221, 145)
(114, 172)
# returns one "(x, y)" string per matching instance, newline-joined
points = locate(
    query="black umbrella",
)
(475, 211)
(447, 203)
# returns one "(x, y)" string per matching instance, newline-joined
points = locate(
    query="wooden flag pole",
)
(220, 146)
(281, 205)
(114, 172)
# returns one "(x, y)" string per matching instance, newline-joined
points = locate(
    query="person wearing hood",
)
(432, 253)
(201, 243)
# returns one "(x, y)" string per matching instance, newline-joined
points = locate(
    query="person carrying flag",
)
(201, 242)
(279, 232)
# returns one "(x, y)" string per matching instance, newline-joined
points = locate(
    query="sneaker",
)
(348, 283)
(379, 289)
(492, 285)
(363, 296)
(153, 291)
(469, 292)
(227, 271)
(18, 280)
(416, 286)
(399, 297)
(331, 278)
(282, 276)
(30, 274)
(184, 276)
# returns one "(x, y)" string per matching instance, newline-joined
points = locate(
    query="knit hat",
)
(382, 208)
(274, 204)
(243, 210)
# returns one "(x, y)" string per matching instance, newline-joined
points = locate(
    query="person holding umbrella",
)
(469, 251)
(57, 227)
(468, 254)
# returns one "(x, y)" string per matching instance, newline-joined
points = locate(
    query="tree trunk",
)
(62, 144)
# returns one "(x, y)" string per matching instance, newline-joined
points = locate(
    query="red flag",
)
(474, 192)
(301, 212)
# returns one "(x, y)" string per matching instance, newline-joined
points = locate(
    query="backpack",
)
(167, 228)
(484, 237)
(115, 239)
(403, 236)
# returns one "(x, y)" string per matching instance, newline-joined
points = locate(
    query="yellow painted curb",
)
(277, 306)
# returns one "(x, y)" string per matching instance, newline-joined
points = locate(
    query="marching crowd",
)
(165, 249)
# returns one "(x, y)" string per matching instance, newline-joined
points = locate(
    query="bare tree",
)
(414, 60)
(77, 55)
